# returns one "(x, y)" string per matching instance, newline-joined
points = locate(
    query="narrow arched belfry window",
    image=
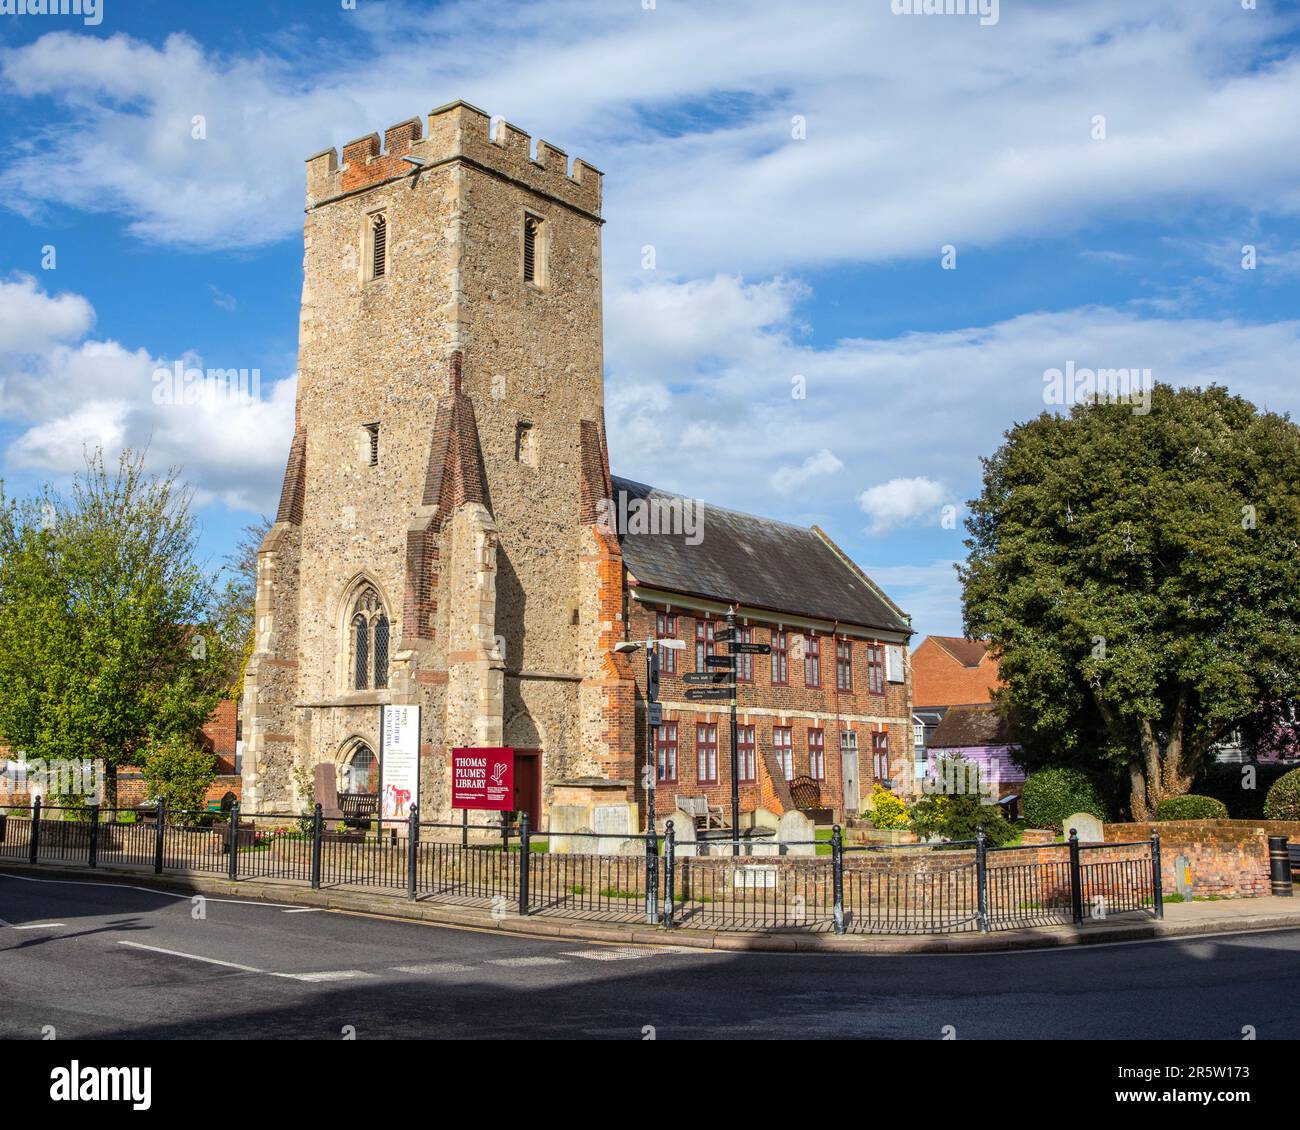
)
(361, 652)
(378, 246)
(369, 632)
(534, 269)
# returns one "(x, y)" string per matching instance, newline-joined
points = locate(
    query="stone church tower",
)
(435, 541)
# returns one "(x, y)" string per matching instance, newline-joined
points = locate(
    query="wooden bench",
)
(359, 809)
(806, 793)
(704, 814)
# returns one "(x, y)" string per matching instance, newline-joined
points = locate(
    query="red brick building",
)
(831, 702)
(950, 670)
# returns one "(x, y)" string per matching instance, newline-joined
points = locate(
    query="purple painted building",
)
(981, 736)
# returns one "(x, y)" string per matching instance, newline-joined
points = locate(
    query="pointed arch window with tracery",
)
(368, 633)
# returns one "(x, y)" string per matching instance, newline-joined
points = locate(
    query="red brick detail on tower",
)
(294, 489)
(364, 165)
(596, 484)
(454, 476)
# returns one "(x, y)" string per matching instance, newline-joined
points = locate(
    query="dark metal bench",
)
(359, 809)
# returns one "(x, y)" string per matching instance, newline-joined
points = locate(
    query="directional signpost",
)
(696, 678)
(710, 694)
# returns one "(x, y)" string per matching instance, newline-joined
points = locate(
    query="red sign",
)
(483, 778)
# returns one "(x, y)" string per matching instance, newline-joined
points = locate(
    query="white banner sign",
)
(399, 760)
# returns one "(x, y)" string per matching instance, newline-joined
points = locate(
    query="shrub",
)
(1050, 795)
(957, 815)
(1283, 800)
(178, 772)
(1191, 807)
(887, 811)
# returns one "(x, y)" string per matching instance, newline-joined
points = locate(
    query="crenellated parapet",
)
(457, 131)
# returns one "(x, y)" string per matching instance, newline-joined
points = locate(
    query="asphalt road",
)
(101, 960)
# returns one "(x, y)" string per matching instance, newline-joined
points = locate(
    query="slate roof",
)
(982, 724)
(969, 653)
(757, 562)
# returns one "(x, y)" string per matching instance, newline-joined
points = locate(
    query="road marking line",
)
(300, 909)
(526, 962)
(610, 954)
(38, 926)
(437, 967)
(326, 975)
(286, 906)
(193, 957)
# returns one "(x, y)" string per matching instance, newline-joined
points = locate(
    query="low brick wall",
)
(1226, 857)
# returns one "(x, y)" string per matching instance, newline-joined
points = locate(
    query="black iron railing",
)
(719, 884)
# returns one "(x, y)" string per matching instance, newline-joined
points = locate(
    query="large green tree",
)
(107, 641)
(1139, 576)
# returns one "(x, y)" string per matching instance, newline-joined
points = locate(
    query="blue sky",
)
(796, 168)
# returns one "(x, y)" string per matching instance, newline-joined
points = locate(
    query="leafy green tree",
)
(234, 614)
(178, 771)
(106, 638)
(1138, 576)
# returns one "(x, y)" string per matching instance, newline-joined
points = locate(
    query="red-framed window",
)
(703, 643)
(666, 753)
(812, 661)
(783, 744)
(880, 756)
(843, 665)
(817, 754)
(666, 629)
(780, 658)
(745, 757)
(875, 668)
(745, 663)
(706, 753)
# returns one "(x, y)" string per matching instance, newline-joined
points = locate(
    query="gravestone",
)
(569, 818)
(1087, 825)
(796, 826)
(612, 823)
(683, 833)
(327, 791)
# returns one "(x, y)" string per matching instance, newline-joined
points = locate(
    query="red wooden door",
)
(528, 784)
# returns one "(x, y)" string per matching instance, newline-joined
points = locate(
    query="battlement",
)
(457, 131)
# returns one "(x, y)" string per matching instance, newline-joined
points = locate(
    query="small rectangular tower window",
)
(533, 247)
(378, 245)
(372, 449)
(525, 444)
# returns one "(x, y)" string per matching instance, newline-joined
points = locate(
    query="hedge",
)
(1191, 807)
(1283, 801)
(1050, 795)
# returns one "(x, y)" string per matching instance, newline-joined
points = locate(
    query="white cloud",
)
(71, 396)
(919, 132)
(31, 320)
(900, 500)
(786, 480)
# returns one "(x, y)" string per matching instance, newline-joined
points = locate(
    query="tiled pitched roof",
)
(969, 653)
(982, 724)
(757, 562)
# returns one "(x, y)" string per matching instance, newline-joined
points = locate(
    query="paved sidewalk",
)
(1181, 919)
